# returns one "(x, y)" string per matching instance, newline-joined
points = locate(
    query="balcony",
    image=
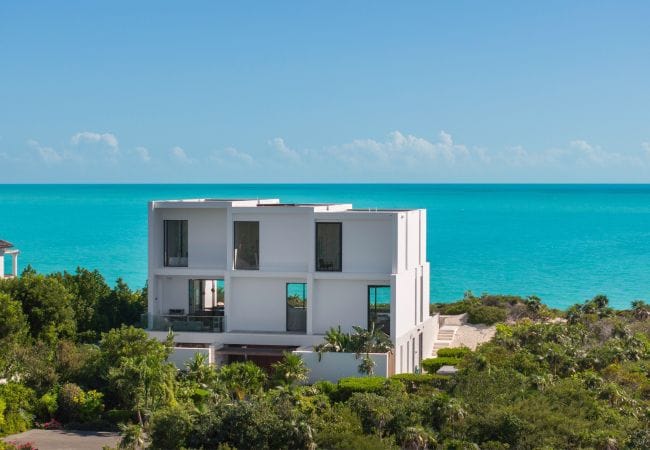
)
(185, 323)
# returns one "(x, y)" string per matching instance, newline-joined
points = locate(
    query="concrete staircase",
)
(448, 327)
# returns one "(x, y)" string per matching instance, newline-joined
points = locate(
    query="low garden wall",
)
(181, 355)
(333, 366)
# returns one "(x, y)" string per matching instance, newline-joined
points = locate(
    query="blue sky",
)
(298, 91)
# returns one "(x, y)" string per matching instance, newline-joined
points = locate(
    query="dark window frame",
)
(234, 245)
(375, 286)
(184, 223)
(340, 250)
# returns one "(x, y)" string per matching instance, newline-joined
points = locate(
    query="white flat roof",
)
(266, 203)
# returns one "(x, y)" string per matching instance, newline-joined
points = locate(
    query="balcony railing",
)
(185, 322)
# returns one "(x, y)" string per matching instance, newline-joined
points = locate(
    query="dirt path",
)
(65, 440)
(472, 335)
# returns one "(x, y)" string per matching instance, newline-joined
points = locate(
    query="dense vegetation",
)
(69, 355)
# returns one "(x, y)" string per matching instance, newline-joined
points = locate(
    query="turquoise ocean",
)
(563, 243)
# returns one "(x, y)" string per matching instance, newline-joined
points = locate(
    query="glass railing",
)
(205, 324)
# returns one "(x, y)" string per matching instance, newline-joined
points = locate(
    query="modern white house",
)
(250, 278)
(8, 249)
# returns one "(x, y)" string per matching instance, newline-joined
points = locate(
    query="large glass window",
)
(176, 243)
(379, 308)
(206, 296)
(297, 307)
(247, 245)
(328, 246)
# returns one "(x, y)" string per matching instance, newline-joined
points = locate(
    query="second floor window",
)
(328, 246)
(247, 245)
(176, 243)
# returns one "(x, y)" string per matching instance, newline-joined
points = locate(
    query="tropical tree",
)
(242, 379)
(640, 310)
(290, 370)
(47, 304)
(138, 374)
(367, 365)
(14, 332)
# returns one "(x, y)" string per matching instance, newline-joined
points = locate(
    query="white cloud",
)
(143, 154)
(231, 154)
(180, 155)
(646, 148)
(283, 149)
(46, 154)
(92, 137)
(403, 148)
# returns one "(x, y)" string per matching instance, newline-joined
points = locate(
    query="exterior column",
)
(14, 264)
(310, 304)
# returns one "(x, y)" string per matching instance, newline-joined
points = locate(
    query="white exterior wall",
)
(206, 246)
(2, 264)
(405, 293)
(258, 304)
(367, 245)
(340, 302)
(174, 294)
(284, 235)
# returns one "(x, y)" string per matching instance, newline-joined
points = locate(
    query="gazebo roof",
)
(5, 244)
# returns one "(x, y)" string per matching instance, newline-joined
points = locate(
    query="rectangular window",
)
(421, 298)
(247, 245)
(329, 246)
(175, 243)
(297, 307)
(415, 299)
(379, 308)
(408, 355)
(413, 354)
(420, 346)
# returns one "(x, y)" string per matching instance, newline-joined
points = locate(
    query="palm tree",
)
(242, 379)
(640, 310)
(132, 437)
(367, 366)
(291, 369)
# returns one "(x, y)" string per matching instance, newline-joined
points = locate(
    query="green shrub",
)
(348, 386)
(486, 314)
(416, 381)
(47, 405)
(325, 387)
(453, 352)
(75, 405)
(431, 365)
(16, 403)
(117, 416)
(170, 427)
(455, 308)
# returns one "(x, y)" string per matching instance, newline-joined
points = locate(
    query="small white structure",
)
(7, 248)
(249, 279)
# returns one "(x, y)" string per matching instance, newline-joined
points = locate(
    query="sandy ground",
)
(66, 440)
(472, 335)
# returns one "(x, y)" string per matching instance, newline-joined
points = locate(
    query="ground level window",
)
(297, 307)
(379, 308)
